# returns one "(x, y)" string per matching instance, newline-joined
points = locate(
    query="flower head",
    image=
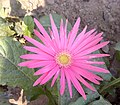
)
(68, 56)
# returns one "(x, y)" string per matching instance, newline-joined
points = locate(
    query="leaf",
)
(113, 84)
(28, 20)
(6, 31)
(101, 101)
(117, 46)
(10, 73)
(90, 97)
(106, 77)
(5, 28)
(45, 21)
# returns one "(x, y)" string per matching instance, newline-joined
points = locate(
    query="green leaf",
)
(6, 31)
(5, 28)
(90, 97)
(10, 73)
(45, 21)
(101, 101)
(117, 46)
(106, 76)
(113, 84)
(28, 20)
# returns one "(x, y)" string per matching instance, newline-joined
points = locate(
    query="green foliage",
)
(45, 21)
(90, 97)
(101, 101)
(117, 46)
(28, 20)
(28, 26)
(111, 85)
(10, 73)
(5, 28)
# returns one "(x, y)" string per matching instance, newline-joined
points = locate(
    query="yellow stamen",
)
(63, 59)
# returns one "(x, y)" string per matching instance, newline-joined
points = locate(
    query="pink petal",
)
(27, 63)
(39, 64)
(69, 83)
(55, 77)
(62, 82)
(92, 68)
(32, 49)
(91, 44)
(45, 69)
(85, 83)
(84, 43)
(87, 62)
(39, 45)
(42, 30)
(94, 48)
(55, 31)
(47, 42)
(54, 44)
(86, 57)
(86, 74)
(62, 34)
(78, 40)
(77, 84)
(40, 79)
(81, 37)
(65, 34)
(36, 57)
(72, 34)
(49, 75)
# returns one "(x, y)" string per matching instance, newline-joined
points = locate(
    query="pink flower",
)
(68, 56)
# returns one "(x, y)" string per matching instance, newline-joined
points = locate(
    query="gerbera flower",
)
(68, 56)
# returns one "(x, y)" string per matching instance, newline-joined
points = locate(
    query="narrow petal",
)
(73, 33)
(62, 82)
(39, 64)
(85, 82)
(94, 48)
(91, 56)
(84, 43)
(92, 68)
(86, 74)
(55, 78)
(65, 34)
(49, 75)
(89, 45)
(39, 45)
(32, 49)
(36, 57)
(55, 31)
(27, 63)
(77, 85)
(47, 42)
(40, 79)
(69, 83)
(45, 69)
(88, 62)
(42, 30)
(62, 38)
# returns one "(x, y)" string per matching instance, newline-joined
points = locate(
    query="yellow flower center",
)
(63, 59)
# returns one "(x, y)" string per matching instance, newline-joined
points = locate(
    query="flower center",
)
(63, 59)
